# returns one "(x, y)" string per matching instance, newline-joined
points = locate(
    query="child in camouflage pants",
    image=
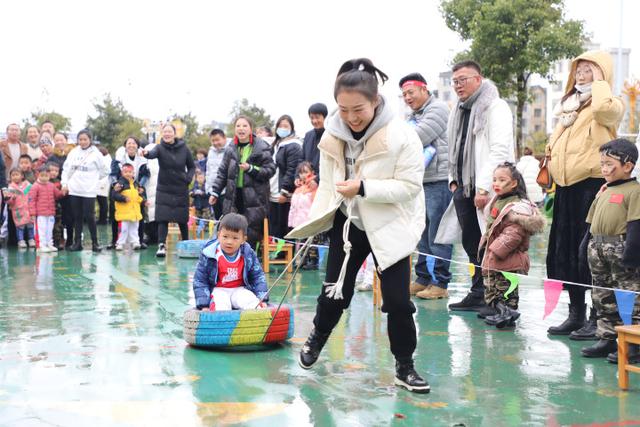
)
(612, 245)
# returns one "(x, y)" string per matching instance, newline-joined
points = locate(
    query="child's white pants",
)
(234, 298)
(44, 231)
(128, 233)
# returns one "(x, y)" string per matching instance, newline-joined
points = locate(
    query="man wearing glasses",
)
(480, 133)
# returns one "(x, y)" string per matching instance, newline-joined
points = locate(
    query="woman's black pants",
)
(394, 286)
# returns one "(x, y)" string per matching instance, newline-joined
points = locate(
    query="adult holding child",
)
(371, 200)
(176, 170)
(588, 116)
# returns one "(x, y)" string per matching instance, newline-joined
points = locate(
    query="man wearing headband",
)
(612, 246)
(428, 118)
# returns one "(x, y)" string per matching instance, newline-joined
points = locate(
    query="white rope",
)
(334, 290)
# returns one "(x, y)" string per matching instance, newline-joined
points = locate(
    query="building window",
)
(537, 112)
(537, 128)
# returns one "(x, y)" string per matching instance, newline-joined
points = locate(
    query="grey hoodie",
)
(355, 148)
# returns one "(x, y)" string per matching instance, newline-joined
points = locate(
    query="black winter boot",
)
(95, 247)
(408, 378)
(633, 355)
(311, 349)
(488, 310)
(506, 316)
(588, 331)
(574, 322)
(600, 349)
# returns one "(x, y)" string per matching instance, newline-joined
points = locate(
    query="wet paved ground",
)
(97, 340)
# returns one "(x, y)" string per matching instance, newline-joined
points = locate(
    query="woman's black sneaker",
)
(311, 349)
(408, 378)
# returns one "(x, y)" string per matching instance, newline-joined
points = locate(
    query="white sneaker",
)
(43, 249)
(119, 247)
(136, 246)
(32, 243)
(22, 244)
(53, 249)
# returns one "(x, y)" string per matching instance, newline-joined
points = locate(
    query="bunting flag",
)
(552, 291)
(626, 300)
(279, 246)
(513, 279)
(211, 225)
(431, 268)
(322, 253)
(472, 270)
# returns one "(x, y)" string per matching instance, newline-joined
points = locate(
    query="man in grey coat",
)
(429, 118)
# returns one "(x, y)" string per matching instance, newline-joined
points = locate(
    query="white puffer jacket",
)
(393, 210)
(529, 168)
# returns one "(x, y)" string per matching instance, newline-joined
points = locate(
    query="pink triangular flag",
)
(552, 291)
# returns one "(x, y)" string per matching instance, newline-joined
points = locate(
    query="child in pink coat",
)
(42, 207)
(302, 197)
(17, 199)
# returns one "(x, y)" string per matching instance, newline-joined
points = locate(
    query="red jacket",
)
(507, 242)
(42, 199)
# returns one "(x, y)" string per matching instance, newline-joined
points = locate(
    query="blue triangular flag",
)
(626, 301)
(431, 264)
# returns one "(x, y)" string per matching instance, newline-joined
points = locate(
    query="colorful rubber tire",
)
(238, 327)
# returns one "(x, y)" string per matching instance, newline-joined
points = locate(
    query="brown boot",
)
(414, 288)
(433, 292)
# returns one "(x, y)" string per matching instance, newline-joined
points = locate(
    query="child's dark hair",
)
(25, 156)
(215, 132)
(234, 222)
(620, 149)
(16, 170)
(50, 165)
(359, 75)
(43, 168)
(303, 165)
(521, 188)
(202, 151)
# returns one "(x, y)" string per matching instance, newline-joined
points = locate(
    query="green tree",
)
(111, 122)
(60, 122)
(513, 39)
(242, 108)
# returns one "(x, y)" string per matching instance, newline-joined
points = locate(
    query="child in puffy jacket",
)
(511, 220)
(18, 200)
(42, 207)
(229, 274)
(128, 213)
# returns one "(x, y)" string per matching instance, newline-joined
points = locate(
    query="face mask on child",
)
(283, 132)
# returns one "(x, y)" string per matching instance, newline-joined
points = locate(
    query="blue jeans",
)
(25, 232)
(437, 198)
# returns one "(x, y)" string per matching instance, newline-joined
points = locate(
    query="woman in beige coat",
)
(588, 117)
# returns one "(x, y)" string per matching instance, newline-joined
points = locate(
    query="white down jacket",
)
(392, 210)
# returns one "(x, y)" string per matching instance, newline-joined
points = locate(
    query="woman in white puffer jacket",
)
(370, 199)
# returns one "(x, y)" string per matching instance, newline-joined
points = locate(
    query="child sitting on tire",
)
(229, 275)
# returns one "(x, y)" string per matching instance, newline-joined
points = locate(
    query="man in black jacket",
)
(317, 113)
